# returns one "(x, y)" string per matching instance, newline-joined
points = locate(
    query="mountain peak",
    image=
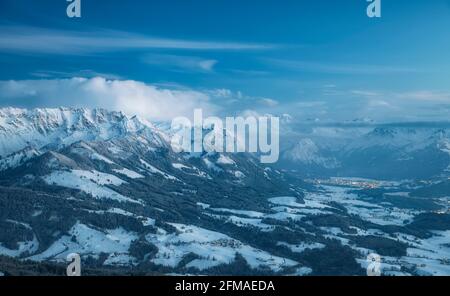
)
(39, 127)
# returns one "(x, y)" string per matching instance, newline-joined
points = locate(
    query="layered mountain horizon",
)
(108, 187)
(348, 148)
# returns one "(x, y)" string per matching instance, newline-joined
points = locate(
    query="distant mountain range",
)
(384, 151)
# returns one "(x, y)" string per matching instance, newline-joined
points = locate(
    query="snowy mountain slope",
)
(17, 158)
(307, 152)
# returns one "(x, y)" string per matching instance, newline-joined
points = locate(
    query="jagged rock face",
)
(37, 128)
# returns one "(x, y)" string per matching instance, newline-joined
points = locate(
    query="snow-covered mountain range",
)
(384, 151)
(109, 187)
(22, 130)
(102, 164)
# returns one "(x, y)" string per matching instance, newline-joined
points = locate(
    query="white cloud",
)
(177, 62)
(331, 68)
(378, 103)
(160, 103)
(365, 93)
(222, 93)
(87, 73)
(425, 95)
(46, 41)
(269, 102)
(310, 104)
(418, 95)
(131, 97)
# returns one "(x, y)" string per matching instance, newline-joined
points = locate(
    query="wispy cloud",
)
(51, 74)
(330, 68)
(47, 41)
(365, 93)
(250, 72)
(425, 95)
(269, 102)
(310, 104)
(184, 63)
(396, 105)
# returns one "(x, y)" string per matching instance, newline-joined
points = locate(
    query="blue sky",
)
(311, 59)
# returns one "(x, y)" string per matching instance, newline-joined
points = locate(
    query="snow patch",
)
(225, 160)
(154, 170)
(129, 173)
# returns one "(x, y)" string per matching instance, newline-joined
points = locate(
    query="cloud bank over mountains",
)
(165, 102)
(131, 97)
(154, 102)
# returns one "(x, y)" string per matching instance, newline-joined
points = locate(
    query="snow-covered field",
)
(87, 241)
(430, 256)
(375, 213)
(213, 248)
(90, 182)
(425, 256)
